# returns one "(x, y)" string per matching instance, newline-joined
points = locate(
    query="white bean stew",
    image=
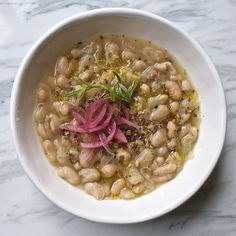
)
(117, 117)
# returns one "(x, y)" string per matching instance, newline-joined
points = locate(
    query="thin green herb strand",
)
(117, 91)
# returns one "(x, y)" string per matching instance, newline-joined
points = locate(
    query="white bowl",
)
(143, 25)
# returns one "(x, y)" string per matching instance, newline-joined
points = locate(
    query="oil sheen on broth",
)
(118, 116)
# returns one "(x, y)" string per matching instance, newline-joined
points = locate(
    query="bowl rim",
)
(107, 12)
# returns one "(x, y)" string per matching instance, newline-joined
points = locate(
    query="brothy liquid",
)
(118, 116)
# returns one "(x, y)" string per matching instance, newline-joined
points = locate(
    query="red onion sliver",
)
(105, 123)
(73, 128)
(119, 135)
(126, 111)
(94, 107)
(123, 121)
(78, 116)
(100, 144)
(102, 138)
(99, 117)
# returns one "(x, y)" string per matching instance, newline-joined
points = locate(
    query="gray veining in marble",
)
(25, 211)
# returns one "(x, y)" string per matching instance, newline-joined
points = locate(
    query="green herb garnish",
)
(118, 91)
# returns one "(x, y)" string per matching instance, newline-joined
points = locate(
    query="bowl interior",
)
(142, 25)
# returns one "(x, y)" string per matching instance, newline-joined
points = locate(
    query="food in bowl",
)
(118, 117)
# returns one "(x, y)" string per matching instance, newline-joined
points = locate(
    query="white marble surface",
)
(25, 211)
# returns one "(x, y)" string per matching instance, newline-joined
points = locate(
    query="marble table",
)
(26, 211)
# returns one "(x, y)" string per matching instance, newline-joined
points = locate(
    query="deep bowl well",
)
(142, 25)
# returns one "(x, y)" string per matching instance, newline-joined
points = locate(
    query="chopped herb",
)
(118, 91)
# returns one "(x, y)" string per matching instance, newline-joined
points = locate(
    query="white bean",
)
(87, 159)
(176, 77)
(144, 158)
(175, 158)
(106, 189)
(65, 142)
(174, 107)
(62, 81)
(54, 123)
(184, 130)
(158, 138)
(163, 179)
(155, 86)
(165, 66)
(153, 55)
(42, 95)
(85, 62)
(186, 86)
(40, 112)
(161, 67)
(150, 73)
(154, 166)
(76, 53)
(89, 175)
(52, 82)
(159, 160)
(63, 66)
(139, 188)
(146, 172)
(134, 177)
(65, 109)
(68, 174)
(160, 113)
(62, 154)
(50, 150)
(188, 104)
(184, 117)
(117, 186)
(90, 48)
(162, 150)
(189, 139)
(77, 166)
(109, 170)
(62, 108)
(127, 55)
(139, 65)
(126, 193)
(87, 74)
(171, 129)
(99, 52)
(96, 190)
(145, 89)
(123, 156)
(43, 132)
(157, 100)
(166, 169)
(173, 90)
(172, 144)
(111, 51)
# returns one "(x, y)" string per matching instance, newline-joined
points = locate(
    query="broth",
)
(118, 116)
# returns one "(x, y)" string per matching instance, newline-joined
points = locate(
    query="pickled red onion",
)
(99, 143)
(120, 136)
(124, 121)
(97, 119)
